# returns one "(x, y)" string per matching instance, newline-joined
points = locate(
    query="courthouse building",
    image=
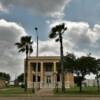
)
(48, 73)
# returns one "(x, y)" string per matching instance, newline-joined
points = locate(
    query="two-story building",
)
(48, 74)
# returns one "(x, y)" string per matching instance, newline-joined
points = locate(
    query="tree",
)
(25, 45)
(83, 67)
(20, 78)
(96, 70)
(58, 30)
(69, 62)
(5, 76)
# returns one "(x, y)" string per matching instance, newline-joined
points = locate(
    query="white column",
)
(54, 73)
(29, 76)
(41, 75)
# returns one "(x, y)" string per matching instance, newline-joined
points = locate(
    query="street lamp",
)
(36, 29)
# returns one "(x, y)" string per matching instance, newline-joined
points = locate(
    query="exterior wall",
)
(90, 82)
(69, 80)
(47, 79)
(2, 83)
(29, 76)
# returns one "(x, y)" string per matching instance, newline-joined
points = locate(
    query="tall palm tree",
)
(25, 46)
(57, 31)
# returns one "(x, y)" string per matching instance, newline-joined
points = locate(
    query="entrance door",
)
(48, 81)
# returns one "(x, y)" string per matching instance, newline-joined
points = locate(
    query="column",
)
(67, 80)
(41, 75)
(55, 69)
(29, 76)
(55, 73)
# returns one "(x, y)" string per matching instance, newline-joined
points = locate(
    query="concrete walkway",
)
(45, 92)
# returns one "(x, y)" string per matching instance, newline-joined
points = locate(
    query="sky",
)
(20, 17)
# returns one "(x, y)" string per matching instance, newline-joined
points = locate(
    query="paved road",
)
(49, 98)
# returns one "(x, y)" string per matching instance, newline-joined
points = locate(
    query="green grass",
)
(86, 91)
(15, 91)
(18, 91)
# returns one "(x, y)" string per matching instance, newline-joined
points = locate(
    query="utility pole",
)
(36, 73)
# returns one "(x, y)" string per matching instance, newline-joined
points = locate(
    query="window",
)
(34, 66)
(34, 78)
(48, 67)
(58, 77)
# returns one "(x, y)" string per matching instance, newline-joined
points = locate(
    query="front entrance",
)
(48, 81)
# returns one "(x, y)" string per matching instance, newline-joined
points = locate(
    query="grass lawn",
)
(86, 91)
(15, 91)
(18, 91)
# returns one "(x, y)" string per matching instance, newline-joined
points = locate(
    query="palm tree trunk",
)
(80, 84)
(62, 67)
(26, 67)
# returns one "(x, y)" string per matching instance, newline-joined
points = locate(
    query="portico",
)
(48, 74)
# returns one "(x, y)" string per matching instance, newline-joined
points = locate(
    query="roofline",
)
(44, 57)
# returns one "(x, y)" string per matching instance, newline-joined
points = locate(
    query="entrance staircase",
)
(45, 92)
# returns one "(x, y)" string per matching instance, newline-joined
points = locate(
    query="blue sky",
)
(84, 10)
(76, 10)
(20, 17)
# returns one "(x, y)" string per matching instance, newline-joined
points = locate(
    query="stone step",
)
(45, 92)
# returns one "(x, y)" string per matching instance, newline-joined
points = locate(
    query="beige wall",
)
(69, 79)
(2, 83)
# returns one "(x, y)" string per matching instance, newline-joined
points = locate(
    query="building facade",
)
(2, 83)
(48, 73)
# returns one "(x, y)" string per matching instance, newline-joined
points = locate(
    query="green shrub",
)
(22, 86)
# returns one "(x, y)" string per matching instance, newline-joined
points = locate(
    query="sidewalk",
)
(49, 98)
(45, 92)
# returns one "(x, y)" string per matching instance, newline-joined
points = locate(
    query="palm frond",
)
(25, 44)
(19, 45)
(28, 39)
(23, 40)
(22, 50)
(31, 49)
(58, 29)
(52, 35)
(57, 39)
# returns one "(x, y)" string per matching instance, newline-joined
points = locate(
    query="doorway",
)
(48, 81)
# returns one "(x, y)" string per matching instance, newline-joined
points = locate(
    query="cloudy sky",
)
(20, 17)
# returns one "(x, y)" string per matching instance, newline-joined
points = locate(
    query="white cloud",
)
(53, 8)
(10, 60)
(47, 48)
(79, 38)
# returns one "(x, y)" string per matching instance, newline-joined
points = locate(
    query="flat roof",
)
(51, 58)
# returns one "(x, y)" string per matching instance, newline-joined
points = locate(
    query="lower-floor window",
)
(34, 78)
(58, 77)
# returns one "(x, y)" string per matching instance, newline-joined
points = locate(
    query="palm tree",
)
(58, 30)
(25, 45)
